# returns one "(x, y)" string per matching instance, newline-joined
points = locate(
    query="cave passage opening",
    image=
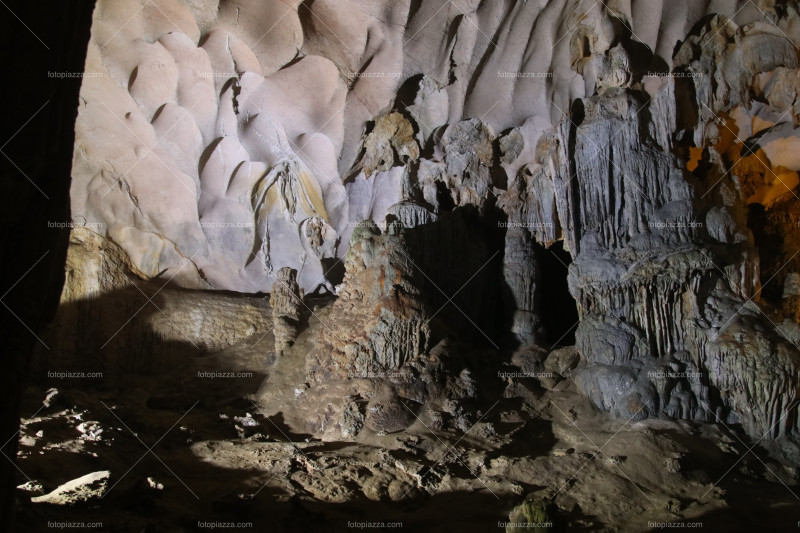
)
(558, 309)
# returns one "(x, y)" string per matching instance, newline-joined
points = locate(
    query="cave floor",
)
(184, 454)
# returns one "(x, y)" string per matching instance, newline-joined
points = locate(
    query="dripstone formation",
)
(286, 301)
(423, 165)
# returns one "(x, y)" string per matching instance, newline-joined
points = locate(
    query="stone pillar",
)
(287, 303)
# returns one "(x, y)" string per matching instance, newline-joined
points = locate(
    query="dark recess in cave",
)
(446, 203)
(35, 181)
(769, 243)
(407, 93)
(559, 312)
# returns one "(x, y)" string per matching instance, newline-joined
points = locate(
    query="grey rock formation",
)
(468, 158)
(668, 317)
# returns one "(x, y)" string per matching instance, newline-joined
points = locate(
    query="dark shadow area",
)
(406, 95)
(443, 198)
(686, 111)
(44, 45)
(559, 311)
(191, 435)
(769, 241)
(761, 513)
(285, 433)
(333, 269)
(460, 259)
(272, 509)
(306, 14)
(577, 115)
(741, 473)
(413, 9)
(138, 338)
(112, 334)
(532, 438)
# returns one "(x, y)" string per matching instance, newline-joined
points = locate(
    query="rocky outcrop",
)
(380, 320)
(84, 488)
(390, 142)
(468, 148)
(112, 321)
(637, 135)
(666, 279)
(194, 106)
(287, 309)
(380, 359)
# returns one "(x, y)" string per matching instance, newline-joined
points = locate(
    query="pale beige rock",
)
(252, 84)
(88, 487)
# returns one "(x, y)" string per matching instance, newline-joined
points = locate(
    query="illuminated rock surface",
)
(543, 225)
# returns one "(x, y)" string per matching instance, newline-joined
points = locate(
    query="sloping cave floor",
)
(187, 451)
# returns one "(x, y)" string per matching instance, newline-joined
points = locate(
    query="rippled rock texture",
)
(655, 143)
